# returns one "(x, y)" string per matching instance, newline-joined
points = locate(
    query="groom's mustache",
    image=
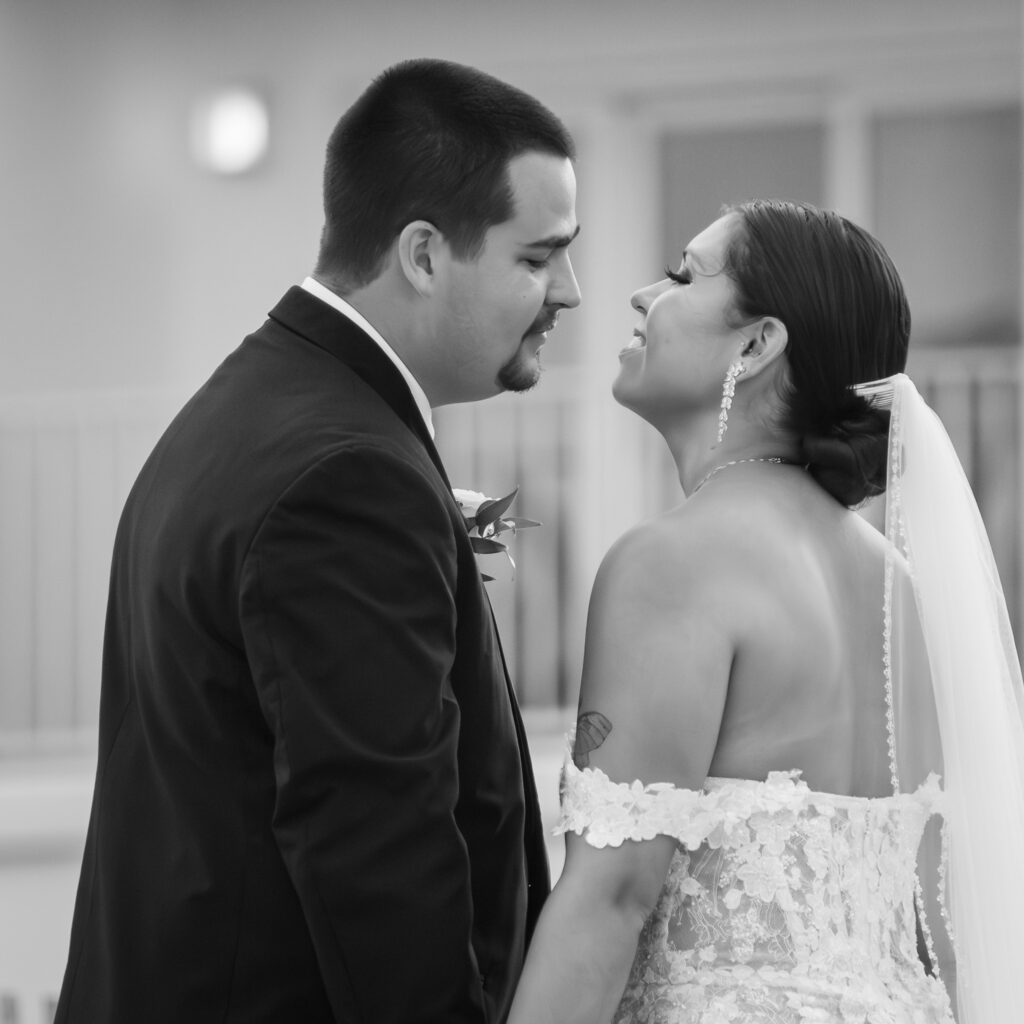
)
(546, 321)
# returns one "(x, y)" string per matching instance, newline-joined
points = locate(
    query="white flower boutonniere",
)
(486, 521)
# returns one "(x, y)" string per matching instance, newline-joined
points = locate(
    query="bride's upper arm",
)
(659, 648)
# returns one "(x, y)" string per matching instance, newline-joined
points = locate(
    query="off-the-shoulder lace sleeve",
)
(607, 813)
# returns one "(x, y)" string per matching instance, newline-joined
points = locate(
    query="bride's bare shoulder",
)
(750, 541)
(674, 556)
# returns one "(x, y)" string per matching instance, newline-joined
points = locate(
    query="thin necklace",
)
(775, 460)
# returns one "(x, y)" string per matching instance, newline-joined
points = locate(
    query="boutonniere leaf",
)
(486, 520)
(490, 510)
(514, 523)
(487, 546)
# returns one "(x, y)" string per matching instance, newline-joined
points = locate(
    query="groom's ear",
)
(419, 247)
(766, 343)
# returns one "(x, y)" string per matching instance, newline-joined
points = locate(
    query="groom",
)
(314, 801)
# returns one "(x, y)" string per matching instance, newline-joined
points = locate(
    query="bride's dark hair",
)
(841, 299)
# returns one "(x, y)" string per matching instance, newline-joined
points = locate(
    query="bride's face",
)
(683, 343)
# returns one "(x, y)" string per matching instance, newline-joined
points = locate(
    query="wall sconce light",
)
(230, 131)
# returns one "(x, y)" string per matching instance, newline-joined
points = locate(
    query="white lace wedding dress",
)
(782, 905)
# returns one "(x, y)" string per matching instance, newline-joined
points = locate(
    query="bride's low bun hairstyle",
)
(849, 461)
(842, 302)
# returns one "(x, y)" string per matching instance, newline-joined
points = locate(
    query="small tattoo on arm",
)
(592, 730)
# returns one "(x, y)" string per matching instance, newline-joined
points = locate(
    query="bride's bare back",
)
(754, 614)
(806, 689)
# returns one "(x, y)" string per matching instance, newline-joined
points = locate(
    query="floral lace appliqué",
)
(782, 905)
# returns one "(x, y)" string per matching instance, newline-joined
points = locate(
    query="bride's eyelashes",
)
(682, 276)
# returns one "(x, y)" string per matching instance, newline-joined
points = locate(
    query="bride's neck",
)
(696, 453)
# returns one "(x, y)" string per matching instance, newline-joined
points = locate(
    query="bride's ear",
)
(766, 343)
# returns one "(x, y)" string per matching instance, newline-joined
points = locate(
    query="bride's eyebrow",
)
(695, 261)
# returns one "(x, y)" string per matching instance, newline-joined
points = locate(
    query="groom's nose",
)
(564, 290)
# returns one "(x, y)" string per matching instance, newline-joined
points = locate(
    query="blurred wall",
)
(126, 266)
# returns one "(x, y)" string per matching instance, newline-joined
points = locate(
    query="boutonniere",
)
(486, 522)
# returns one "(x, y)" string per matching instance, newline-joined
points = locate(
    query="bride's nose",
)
(643, 297)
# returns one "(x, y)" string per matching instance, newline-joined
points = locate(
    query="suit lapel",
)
(330, 330)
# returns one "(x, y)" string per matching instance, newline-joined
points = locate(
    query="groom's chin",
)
(522, 374)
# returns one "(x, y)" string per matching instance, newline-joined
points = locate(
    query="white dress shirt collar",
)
(337, 302)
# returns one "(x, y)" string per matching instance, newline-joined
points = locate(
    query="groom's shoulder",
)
(277, 384)
(275, 363)
(259, 423)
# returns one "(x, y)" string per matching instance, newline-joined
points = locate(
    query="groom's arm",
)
(348, 610)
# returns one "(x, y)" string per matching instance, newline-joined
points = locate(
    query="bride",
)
(796, 789)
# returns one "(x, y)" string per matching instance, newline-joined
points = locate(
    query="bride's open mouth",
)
(636, 344)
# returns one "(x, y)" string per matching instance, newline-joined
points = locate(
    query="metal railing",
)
(66, 466)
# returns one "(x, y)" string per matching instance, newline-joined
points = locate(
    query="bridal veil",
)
(956, 707)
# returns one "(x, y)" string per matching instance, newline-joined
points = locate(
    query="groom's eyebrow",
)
(554, 241)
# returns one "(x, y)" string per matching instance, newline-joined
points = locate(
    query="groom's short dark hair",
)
(428, 140)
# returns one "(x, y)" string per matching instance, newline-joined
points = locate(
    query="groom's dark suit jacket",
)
(313, 799)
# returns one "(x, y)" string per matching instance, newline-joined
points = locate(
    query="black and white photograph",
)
(511, 513)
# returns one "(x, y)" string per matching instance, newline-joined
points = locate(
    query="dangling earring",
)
(728, 390)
